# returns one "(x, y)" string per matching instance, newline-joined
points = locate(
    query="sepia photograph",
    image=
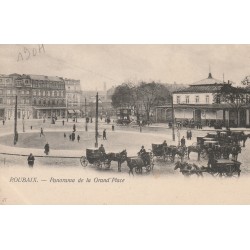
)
(104, 121)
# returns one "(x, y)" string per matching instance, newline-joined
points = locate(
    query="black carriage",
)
(95, 157)
(220, 168)
(159, 151)
(225, 167)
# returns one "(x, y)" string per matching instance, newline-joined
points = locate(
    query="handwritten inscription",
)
(28, 53)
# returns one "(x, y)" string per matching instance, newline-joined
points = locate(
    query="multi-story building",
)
(197, 103)
(73, 97)
(37, 96)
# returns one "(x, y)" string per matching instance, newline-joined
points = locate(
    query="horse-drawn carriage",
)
(168, 152)
(141, 163)
(220, 167)
(96, 158)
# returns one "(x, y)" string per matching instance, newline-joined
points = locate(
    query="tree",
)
(123, 96)
(235, 97)
(151, 95)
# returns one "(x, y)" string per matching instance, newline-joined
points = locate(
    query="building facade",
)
(73, 97)
(37, 96)
(197, 104)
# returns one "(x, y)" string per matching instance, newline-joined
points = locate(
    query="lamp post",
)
(96, 122)
(15, 124)
(86, 124)
(173, 123)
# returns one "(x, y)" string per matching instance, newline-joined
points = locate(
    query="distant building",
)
(73, 97)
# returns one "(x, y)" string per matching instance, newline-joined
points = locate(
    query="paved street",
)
(66, 154)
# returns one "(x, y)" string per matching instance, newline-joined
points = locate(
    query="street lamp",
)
(96, 122)
(86, 123)
(173, 122)
(15, 124)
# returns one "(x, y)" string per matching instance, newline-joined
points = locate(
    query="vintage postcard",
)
(124, 124)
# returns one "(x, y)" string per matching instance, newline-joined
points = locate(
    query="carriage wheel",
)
(232, 172)
(97, 164)
(148, 168)
(107, 164)
(138, 170)
(84, 162)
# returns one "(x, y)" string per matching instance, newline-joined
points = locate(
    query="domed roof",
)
(209, 80)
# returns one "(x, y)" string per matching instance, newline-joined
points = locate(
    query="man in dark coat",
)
(78, 138)
(31, 160)
(46, 148)
(104, 135)
(74, 128)
(211, 158)
(73, 136)
(183, 142)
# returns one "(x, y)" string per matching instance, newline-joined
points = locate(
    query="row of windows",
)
(197, 99)
(48, 93)
(13, 92)
(7, 80)
(48, 85)
(48, 102)
(13, 101)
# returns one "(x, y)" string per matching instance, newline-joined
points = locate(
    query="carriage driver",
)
(164, 144)
(102, 150)
(143, 154)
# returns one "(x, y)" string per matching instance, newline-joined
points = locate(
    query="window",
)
(34, 101)
(13, 91)
(53, 102)
(27, 92)
(26, 81)
(39, 93)
(178, 99)
(1, 100)
(8, 101)
(22, 92)
(207, 98)
(34, 93)
(1, 91)
(8, 91)
(197, 99)
(52, 94)
(48, 93)
(27, 101)
(22, 101)
(187, 99)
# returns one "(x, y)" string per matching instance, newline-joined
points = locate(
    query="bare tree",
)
(235, 97)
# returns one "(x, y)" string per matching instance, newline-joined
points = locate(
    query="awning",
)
(71, 111)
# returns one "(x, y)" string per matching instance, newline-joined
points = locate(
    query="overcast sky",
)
(114, 64)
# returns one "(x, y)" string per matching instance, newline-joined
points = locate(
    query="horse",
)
(171, 151)
(188, 169)
(138, 162)
(119, 157)
(195, 149)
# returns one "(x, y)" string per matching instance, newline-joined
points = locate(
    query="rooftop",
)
(209, 80)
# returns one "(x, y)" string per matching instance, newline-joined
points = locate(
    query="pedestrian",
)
(73, 136)
(188, 133)
(74, 128)
(46, 148)
(113, 127)
(41, 133)
(63, 122)
(78, 138)
(31, 160)
(104, 135)
(183, 142)
(70, 137)
(211, 158)
(31, 127)
(64, 136)
(3, 122)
